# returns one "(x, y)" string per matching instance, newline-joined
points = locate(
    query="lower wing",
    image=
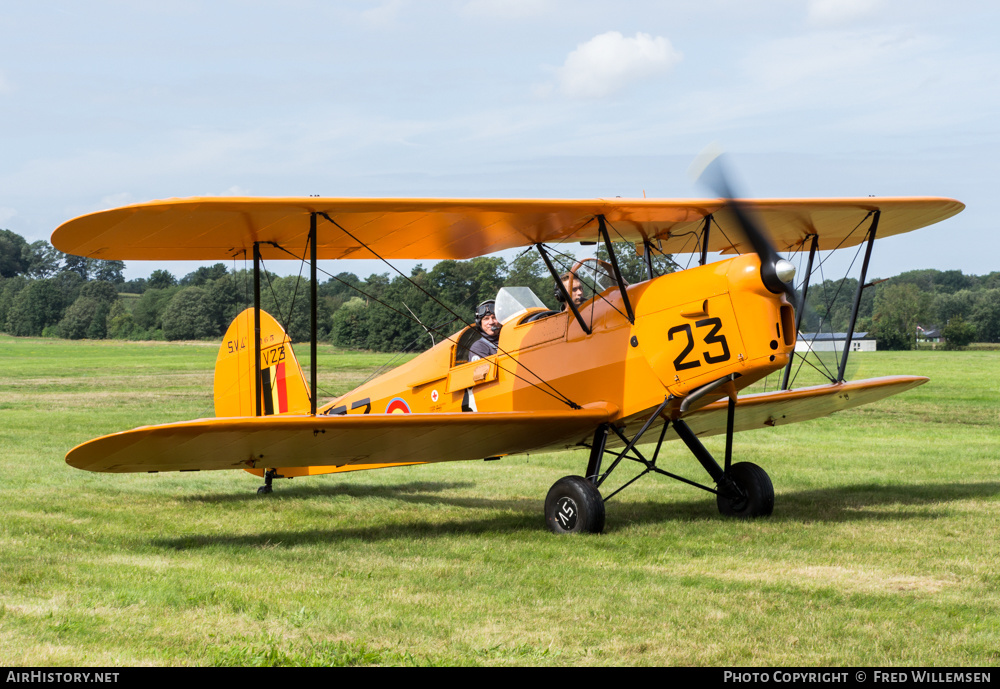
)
(792, 406)
(323, 444)
(349, 442)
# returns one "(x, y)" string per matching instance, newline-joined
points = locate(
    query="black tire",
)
(758, 493)
(574, 505)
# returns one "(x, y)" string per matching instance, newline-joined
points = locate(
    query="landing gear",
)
(266, 489)
(755, 494)
(742, 490)
(574, 505)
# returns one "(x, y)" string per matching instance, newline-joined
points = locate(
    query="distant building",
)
(928, 334)
(833, 342)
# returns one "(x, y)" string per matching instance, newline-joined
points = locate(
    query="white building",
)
(833, 342)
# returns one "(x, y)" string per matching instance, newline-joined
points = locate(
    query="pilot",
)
(489, 327)
(576, 294)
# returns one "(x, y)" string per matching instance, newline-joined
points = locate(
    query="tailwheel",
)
(574, 505)
(755, 495)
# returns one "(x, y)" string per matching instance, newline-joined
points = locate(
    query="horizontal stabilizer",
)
(301, 441)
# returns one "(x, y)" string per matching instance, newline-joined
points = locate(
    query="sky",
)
(107, 103)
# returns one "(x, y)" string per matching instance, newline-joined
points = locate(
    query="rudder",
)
(282, 381)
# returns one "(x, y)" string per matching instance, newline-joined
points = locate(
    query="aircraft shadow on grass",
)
(859, 502)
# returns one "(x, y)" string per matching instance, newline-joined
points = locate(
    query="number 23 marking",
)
(713, 337)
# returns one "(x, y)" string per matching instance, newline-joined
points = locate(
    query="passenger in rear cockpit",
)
(573, 287)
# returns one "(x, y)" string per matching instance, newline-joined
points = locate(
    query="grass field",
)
(883, 548)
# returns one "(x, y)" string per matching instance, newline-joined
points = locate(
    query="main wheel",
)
(574, 505)
(758, 493)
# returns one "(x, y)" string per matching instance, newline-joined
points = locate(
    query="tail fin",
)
(284, 389)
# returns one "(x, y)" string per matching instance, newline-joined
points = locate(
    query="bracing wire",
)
(554, 394)
(564, 398)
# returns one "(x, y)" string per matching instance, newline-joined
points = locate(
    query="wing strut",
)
(704, 239)
(647, 256)
(802, 305)
(857, 296)
(567, 299)
(256, 324)
(602, 226)
(313, 368)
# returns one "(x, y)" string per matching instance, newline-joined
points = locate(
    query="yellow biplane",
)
(662, 359)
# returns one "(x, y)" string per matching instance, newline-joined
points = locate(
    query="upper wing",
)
(222, 228)
(302, 441)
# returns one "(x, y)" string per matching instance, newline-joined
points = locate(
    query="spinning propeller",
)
(776, 272)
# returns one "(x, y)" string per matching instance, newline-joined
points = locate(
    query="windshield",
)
(513, 301)
(595, 276)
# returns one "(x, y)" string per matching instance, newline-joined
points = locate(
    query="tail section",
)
(282, 387)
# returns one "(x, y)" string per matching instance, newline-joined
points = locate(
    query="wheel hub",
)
(566, 513)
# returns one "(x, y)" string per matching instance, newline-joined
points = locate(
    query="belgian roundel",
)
(397, 406)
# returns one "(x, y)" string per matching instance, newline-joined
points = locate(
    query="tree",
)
(203, 274)
(80, 265)
(898, 309)
(958, 333)
(161, 279)
(134, 286)
(87, 316)
(76, 323)
(70, 284)
(9, 287)
(226, 295)
(120, 324)
(40, 304)
(102, 291)
(98, 329)
(148, 311)
(349, 326)
(986, 315)
(188, 316)
(41, 259)
(287, 299)
(109, 271)
(829, 305)
(12, 246)
(947, 306)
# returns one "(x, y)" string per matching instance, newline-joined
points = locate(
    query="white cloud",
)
(830, 13)
(6, 214)
(609, 62)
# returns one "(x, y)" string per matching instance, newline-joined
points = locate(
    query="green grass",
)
(882, 550)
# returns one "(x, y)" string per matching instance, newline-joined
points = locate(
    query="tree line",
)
(965, 308)
(46, 293)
